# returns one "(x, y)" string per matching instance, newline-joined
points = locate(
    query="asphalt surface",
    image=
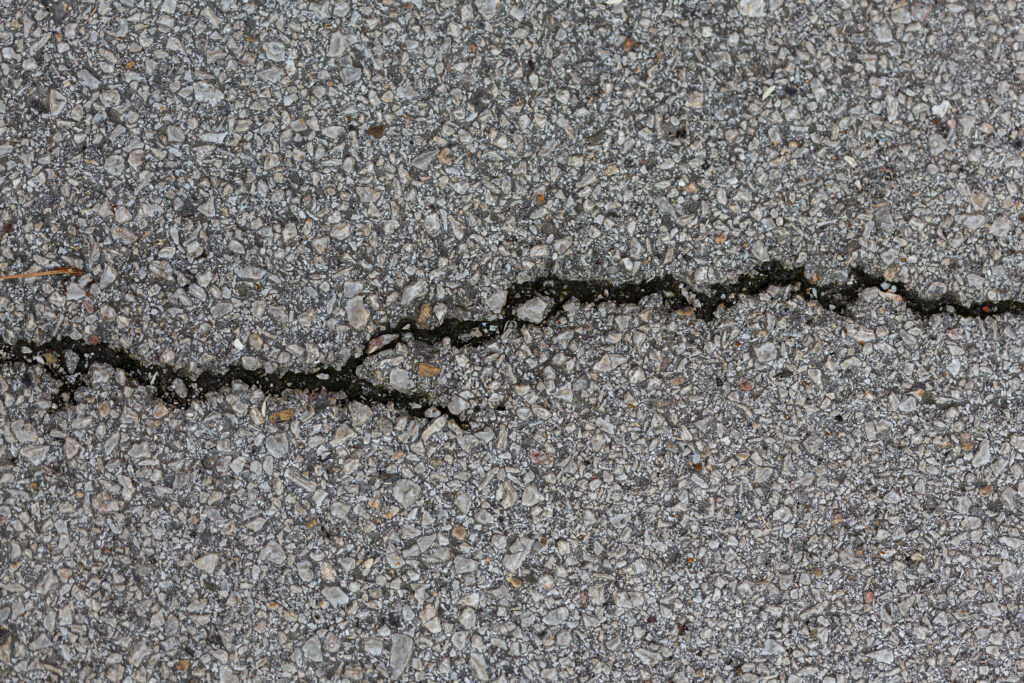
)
(511, 341)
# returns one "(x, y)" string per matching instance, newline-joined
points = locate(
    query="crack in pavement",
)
(176, 388)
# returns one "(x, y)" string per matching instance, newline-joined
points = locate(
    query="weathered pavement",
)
(511, 341)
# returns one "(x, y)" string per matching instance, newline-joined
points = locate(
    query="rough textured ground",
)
(602, 479)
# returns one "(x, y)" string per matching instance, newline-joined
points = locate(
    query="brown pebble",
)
(427, 370)
(281, 416)
(424, 315)
(459, 532)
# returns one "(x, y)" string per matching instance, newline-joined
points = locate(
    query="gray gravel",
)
(290, 175)
(618, 492)
(641, 495)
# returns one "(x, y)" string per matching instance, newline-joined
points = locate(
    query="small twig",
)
(42, 273)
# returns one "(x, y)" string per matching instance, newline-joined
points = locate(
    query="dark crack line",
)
(176, 388)
(834, 297)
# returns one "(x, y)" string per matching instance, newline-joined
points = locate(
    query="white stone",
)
(464, 565)
(983, 456)
(534, 310)
(273, 552)
(407, 492)
(23, 431)
(275, 51)
(339, 43)
(335, 596)
(356, 312)
(205, 92)
(609, 362)
(208, 562)
(277, 445)
(479, 666)
(496, 301)
(751, 8)
(311, 650)
(487, 8)
(531, 496)
(401, 654)
(433, 428)
(556, 616)
(516, 555)
(401, 379)
(413, 292)
(1000, 227)
(767, 352)
(506, 496)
